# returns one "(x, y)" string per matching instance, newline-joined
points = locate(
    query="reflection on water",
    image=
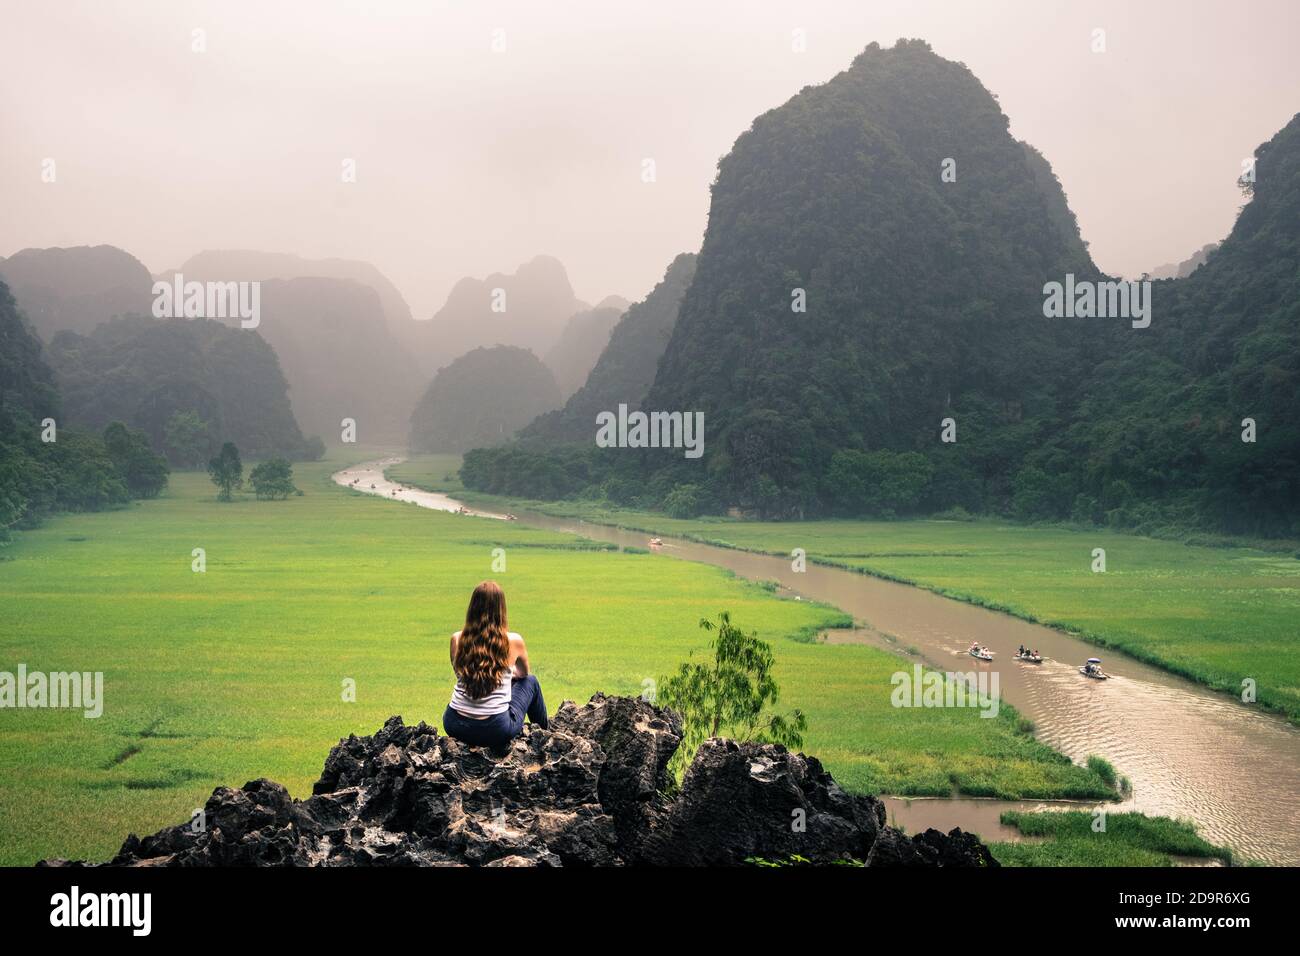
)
(1189, 752)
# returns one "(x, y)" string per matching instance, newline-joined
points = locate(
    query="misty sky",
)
(470, 161)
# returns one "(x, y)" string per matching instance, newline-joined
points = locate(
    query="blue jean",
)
(499, 729)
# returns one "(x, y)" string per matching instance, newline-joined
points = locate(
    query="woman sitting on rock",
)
(494, 690)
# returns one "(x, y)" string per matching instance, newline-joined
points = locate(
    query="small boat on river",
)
(1093, 669)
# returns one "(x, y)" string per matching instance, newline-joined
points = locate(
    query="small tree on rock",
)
(729, 696)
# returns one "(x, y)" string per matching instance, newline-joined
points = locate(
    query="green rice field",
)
(238, 672)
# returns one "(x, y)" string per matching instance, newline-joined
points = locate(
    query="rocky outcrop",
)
(592, 790)
(740, 801)
(931, 848)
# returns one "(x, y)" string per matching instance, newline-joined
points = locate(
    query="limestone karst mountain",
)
(340, 357)
(76, 288)
(574, 354)
(143, 371)
(874, 263)
(482, 398)
(527, 308)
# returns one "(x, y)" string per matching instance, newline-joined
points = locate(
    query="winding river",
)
(1189, 752)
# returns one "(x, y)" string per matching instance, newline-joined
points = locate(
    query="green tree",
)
(730, 695)
(273, 479)
(684, 501)
(144, 472)
(226, 471)
(185, 438)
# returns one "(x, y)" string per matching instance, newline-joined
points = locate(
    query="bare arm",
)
(518, 648)
(455, 640)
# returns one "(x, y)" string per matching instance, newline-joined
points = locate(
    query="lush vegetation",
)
(482, 398)
(143, 472)
(226, 471)
(273, 479)
(189, 384)
(1067, 838)
(730, 695)
(924, 305)
(219, 677)
(45, 466)
(1217, 614)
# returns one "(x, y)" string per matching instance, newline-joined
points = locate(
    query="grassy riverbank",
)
(1217, 615)
(219, 677)
(1067, 838)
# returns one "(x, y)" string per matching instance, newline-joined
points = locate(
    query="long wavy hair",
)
(484, 646)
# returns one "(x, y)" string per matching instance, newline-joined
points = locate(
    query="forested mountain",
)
(249, 265)
(482, 399)
(923, 293)
(626, 367)
(338, 327)
(45, 464)
(1159, 437)
(528, 308)
(26, 381)
(76, 288)
(144, 371)
(919, 238)
(584, 337)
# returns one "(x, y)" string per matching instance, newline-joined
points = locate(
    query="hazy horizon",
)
(470, 161)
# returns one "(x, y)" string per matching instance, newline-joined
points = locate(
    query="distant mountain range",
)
(626, 366)
(343, 333)
(249, 265)
(1180, 270)
(528, 308)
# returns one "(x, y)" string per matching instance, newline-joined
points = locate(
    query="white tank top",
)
(497, 702)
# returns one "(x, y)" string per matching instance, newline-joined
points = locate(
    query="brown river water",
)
(1189, 752)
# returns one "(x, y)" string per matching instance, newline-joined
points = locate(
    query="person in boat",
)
(1022, 652)
(495, 690)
